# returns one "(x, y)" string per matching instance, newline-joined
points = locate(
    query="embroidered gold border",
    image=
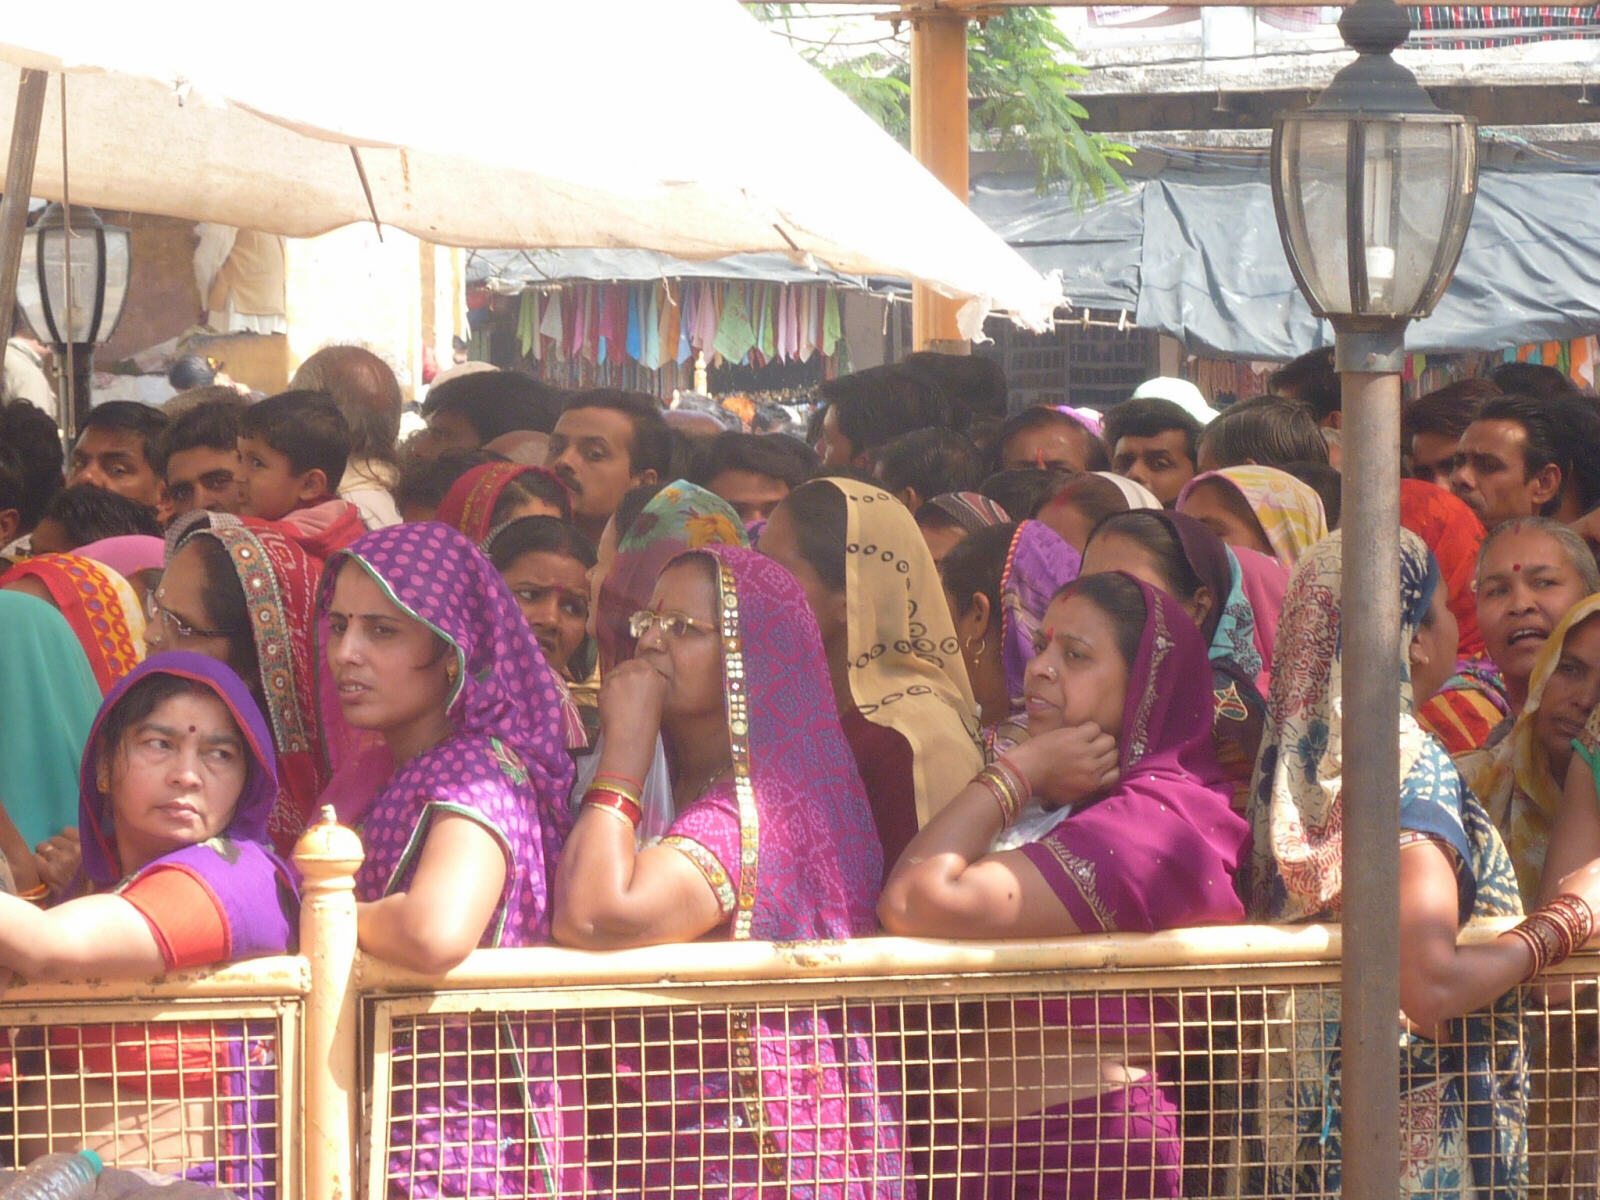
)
(742, 1034)
(708, 866)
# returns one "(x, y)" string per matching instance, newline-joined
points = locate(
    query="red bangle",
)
(616, 802)
(632, 785)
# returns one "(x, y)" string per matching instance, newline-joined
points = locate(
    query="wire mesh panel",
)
(1186, 1081)
(194, 1090)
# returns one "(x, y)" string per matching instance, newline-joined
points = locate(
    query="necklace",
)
(705, 784)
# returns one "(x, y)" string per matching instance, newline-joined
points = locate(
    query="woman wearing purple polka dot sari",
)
(427, 649)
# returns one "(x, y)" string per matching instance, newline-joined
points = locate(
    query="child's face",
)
(268, 488)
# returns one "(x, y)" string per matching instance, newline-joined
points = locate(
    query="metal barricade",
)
(1193, 1062)
(196, 1073)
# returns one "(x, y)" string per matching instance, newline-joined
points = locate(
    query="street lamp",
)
(71, 286)
(1373, 188)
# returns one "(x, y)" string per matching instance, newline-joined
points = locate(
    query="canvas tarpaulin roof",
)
(1192, 250)
(681, 127)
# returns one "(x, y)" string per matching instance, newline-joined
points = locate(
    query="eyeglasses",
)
(170, 620)
(675, 624)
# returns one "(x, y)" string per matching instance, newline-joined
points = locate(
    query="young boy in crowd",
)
(292, 453)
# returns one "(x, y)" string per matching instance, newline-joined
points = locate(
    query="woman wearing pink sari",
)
(1136, 835)
(730, 669)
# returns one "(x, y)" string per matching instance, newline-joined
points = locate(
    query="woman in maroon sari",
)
(1119, 710)
(730, 669)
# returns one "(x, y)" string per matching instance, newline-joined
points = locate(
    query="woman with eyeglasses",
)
(427, 651)
(771, 838)
(245, 595)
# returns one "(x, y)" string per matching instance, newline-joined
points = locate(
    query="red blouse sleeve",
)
(183, 914)
(883, 757)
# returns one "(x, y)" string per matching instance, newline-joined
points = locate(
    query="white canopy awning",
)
(674, 125)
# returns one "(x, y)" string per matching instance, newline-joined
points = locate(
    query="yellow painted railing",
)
(915, 1067)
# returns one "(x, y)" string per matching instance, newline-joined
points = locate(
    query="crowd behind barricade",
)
(583, 673)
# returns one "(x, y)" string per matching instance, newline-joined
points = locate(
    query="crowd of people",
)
(581, 671)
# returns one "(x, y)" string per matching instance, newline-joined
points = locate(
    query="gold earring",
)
(452, 670)
(983, 644)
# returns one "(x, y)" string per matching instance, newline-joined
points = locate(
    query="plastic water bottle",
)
(56, 1177)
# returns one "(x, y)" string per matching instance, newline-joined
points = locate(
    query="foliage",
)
(1020, 80)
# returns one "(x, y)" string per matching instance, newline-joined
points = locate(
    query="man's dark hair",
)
(1021, 491)
(307, 428)
(213, 426)
(1325, 481)
(1531, 379)
(1149, 417)
(128, 416)
(1448, 410)
(1562, 429)
(876, 405)
(1312, 380)
(424, 482)
(1268, 431)
(32, 438)
(930, 461)
(652, 436)
(1096, 456)
(496, 402)
(973, 385)
(366, 391)
(88, 513)
(775, 455)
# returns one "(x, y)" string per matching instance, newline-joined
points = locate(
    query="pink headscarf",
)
(126, 554)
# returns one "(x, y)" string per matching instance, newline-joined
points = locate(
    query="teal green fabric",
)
(48, 699)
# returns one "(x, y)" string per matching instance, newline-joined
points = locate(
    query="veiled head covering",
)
(254, 806)
(1289, 512)
(970, 510)
(1449, 527)
(1513, 777)
(469, 504)
(505, 762)
(1296, 796)
(1038, 565)
(99, 604)
(905, 666)
(681, 516)
(279, 582)
(48, 698)
(1162, 846)
(795, 781)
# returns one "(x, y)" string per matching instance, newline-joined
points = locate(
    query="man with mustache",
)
(606, 442)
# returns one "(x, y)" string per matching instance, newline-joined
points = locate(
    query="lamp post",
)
(1373, 188)
(71, 286)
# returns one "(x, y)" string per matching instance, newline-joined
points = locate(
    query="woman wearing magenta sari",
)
(1119, 713)
(177, 782)
(762, 777)
(427, 648)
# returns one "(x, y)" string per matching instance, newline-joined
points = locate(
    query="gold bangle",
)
(617, 813)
